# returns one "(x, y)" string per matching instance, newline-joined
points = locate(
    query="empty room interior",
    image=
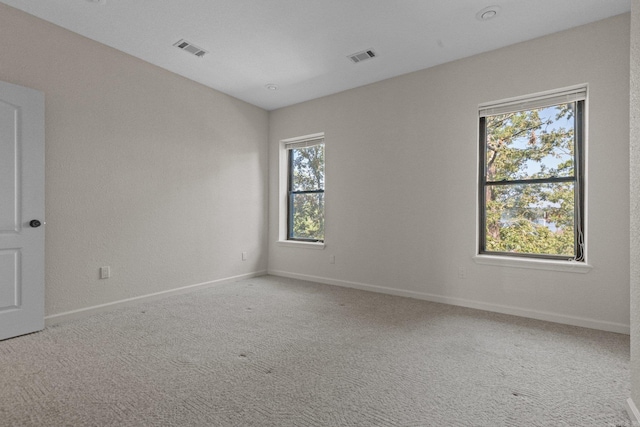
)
(471, 261)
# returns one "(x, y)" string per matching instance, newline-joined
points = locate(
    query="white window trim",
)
(540, 263)
(301, 245)
(282, 195)
(534, 263)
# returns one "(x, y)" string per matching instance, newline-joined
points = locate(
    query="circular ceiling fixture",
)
(271, 86)
(487, 13)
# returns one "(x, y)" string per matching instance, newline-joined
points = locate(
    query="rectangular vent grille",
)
(362, 56)
(190, 47)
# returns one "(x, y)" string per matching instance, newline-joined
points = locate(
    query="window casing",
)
(532, 176)
(305, 190)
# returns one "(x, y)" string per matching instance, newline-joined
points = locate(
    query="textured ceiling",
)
(302, 46)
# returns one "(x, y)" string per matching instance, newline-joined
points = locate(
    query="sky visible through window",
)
(550, 161)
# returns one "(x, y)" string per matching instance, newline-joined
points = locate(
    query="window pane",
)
(308, 168)
(530, 218)
(307, 216)
(531, 144)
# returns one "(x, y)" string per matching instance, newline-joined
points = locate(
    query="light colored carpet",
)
(278, 352)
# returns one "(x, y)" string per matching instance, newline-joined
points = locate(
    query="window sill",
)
(302, 245)
(538, 264)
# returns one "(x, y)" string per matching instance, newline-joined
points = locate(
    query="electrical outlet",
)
(332, 259)
(244, 256)
(105, 272)
(462, 273)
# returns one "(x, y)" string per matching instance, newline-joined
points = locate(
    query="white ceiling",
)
(302, 45)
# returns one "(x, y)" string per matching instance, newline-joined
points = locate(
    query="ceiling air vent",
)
(362, 56)
(191, 48)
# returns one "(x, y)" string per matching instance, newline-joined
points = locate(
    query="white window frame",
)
(531, 101)
(283, 189)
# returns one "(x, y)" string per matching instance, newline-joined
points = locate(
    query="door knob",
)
(35, 223)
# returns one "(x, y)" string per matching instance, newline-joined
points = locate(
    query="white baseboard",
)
(66, 316)
(633, 413)
(480, 305)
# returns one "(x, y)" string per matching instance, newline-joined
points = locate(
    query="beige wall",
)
(154, 175)
(165, 180)
(635, 200)
(402, 171)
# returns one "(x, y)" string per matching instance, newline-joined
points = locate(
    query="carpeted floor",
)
(270, 351)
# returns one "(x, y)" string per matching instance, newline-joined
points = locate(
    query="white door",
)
(21, 210)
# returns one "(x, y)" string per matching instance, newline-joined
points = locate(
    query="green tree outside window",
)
(306, 193)
(531, 182)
